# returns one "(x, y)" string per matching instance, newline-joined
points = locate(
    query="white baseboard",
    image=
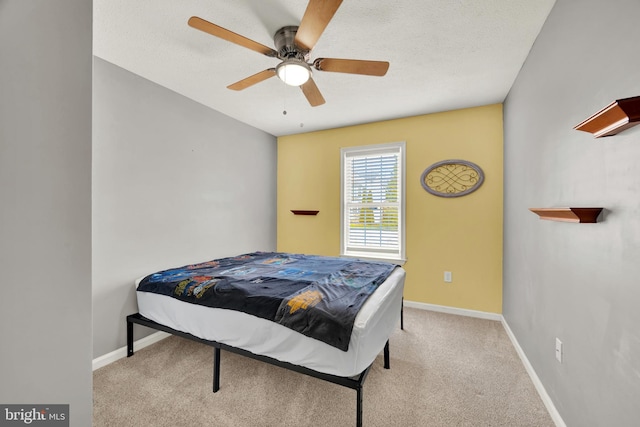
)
(453, 310)
(548, 403)
(121, 353)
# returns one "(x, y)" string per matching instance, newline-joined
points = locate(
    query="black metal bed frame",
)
(356, 382)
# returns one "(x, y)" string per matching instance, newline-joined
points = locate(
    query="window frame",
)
(399, 256)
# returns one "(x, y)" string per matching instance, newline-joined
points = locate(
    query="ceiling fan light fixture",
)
(293, 72)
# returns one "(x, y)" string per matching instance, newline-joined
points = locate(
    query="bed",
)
(255, 335)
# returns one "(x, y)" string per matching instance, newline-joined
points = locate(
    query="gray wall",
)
(45, 204)
(577, 282)
(174, 182)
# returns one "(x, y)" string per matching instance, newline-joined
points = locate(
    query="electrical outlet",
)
(559, 350)
(447, 276)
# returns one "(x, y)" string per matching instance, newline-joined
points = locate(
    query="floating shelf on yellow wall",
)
(614, 118)
(300, 212)
(583, 215)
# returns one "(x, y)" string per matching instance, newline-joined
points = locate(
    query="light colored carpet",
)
(446, 370)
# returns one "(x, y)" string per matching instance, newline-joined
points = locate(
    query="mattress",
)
(373, 325)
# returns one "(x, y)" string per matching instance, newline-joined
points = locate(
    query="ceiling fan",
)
(293, 45)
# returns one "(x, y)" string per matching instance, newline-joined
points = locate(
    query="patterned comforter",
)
(314, 295)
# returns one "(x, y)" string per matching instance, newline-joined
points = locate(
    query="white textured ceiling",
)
(443, 54)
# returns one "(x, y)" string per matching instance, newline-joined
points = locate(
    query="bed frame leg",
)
(216, 369)
(129, 338)
(387, 364)
(402, 315)
(359, 406)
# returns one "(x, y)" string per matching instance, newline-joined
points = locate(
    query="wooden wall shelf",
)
(583, 215)
(614, 118)
(299, 212)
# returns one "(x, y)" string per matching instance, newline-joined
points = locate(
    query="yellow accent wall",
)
(462, 235)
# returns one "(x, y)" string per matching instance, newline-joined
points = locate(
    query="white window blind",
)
(373, 201)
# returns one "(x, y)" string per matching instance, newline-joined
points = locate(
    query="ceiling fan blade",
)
(223, 33)
(315, 19)
(251, 80)
(351, 66)
(312, 93)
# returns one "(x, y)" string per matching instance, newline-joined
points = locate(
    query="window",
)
(372, 201)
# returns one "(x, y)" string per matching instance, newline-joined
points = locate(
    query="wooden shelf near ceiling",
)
(614, 118)
(582, 215)
(301, 212)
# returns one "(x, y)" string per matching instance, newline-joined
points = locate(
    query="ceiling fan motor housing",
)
(284, 40)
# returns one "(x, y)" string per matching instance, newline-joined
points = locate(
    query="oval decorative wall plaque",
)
(452, 178)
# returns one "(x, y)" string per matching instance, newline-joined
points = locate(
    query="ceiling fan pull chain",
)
(284, 102)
